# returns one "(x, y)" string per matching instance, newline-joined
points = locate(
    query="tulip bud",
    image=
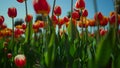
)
(80, 4)
(12, 12)
(85, 13)
(41, 7)
(9, 55)
(1, 20)
(104, 21)
(75, 15)
(23, 26)
(5, 44)
(20, 60)
(20, 1)
(28, 18)
(57, 10)
(103, 32)
(66, 19)
(54, 19)
(98, 16)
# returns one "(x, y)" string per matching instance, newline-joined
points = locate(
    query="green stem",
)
(71, 9)
(53, 6)
(96, 10)
(13, 31)
(58, 26)
(28, 24)
(26, 7)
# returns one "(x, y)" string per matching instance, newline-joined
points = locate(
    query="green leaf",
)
(72, 50)
(50, 53)
(104, 49)
(28, 31)
(72, 31)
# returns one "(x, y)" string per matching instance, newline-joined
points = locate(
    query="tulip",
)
(54, 19)
(91, 22)
(41, 24)
(98, 16)
(20, 60)
(61, 22)
(28, 18)
(66, 19)
(80, 4)
(75, 15)
(103, 32)
(23, 26)
(20, 1)
(1, 20)
(41, 7)
(104, 22)
(5, 44)
(57, 10)
(9, 55)
(12, 12)
(3, 26)
(85, 13)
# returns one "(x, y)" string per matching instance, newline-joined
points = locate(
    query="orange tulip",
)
(91, 22)
(104, 22)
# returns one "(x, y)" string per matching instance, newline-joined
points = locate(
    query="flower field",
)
(54, 42)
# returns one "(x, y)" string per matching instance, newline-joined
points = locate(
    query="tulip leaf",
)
(28, 32)
(50, 53)
(72, 31)
(104, 49)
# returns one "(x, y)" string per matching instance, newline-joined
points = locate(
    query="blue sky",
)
(104, 6)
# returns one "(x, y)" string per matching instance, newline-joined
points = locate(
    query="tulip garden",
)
(54, 42)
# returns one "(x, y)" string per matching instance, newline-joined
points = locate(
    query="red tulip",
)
(61, 22)
(20, 1)
(3, 26)
(20, 60)
(80, 4)
(9, 55)
(98, 16)
(54, 19)
(41, 7)
(104, 22)
(1, 20)
(12, 12)
(66, 19)
(103, 32)
(85, 13)
(75, 15)
(35, 26)
(57, 10)
(119, 19)
(24, 26)
(112, 19)
(28, 18)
